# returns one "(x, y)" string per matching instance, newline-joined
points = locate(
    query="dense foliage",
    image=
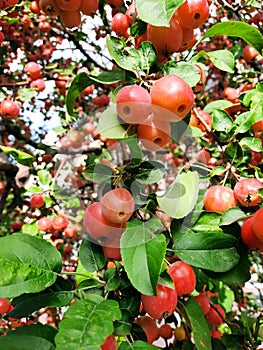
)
(131, 174)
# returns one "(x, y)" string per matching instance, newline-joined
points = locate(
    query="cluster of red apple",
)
(33, 71)
(69, 11)
(178, 37)
(219, 198)
(163, 305)
(105, 221)
(170, 99)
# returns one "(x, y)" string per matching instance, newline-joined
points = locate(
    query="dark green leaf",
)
(188, 71)
(181, 196)
(112, 279)
(86, 324)
(126, 57)
(78, 84)
(148, 55)
(21, 157)
(234, 153)
(211, 251)
(141, 250)
(29, 337)
(59, 294)
(244, 122)
(28, 264)
(221, 121)
(248, 33)
(109, 77)
(91, 255)
(201, 331)
(157, 12)
(122, 327)
(233, 341)
(138, 28)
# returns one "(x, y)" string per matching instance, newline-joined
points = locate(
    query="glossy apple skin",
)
(193, 13)
(161, 305)
(154, 134)
(246, 190)
(133, 104)
(117, 205)
(257, 224)
(215, 315)
(98, 227)
(249, 237)
(160, 37)
(149, 327)
(219, 198)
(183, 277)
(172, 98)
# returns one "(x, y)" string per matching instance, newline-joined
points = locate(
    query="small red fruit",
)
(183, 277)
(33, 70)
(165, 331)
(60, 223)
(215, 315)
(172, 98)
(37, 201)
(257, 224)
(246, 192)
(248, 235)
(149, 327)
(4, 305)
(9, 109)
(219, 198)
(133, 104)
(161, 305)
(45, 224)
(203, 301)
(117, 205)
(109, 343)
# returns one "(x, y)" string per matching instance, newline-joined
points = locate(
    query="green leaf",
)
(44, 177)
(26, 94)
(110, 77)
(126, 57)
(57, 295)
(31, 229)
(138, 28)
(200, 329)
(86, 324)
(91, 256)
(83, 80)
(98, 173)
(243, 122)
(134, 147)
(110, 125)
(208, 222)
(188, 71)
(28, 264)
(234, 153)
(112, 279)
(212, 251)
(218, 104)
(148, 55)
(222, 59)
(150, 172)
(221, 121)
(141, 250)
(137, 345)
(232, 215)
(252, 143)
(21, 157)
(181, 196)
(78, 84)
(248, 33)
(157, 12)
(29, 337)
